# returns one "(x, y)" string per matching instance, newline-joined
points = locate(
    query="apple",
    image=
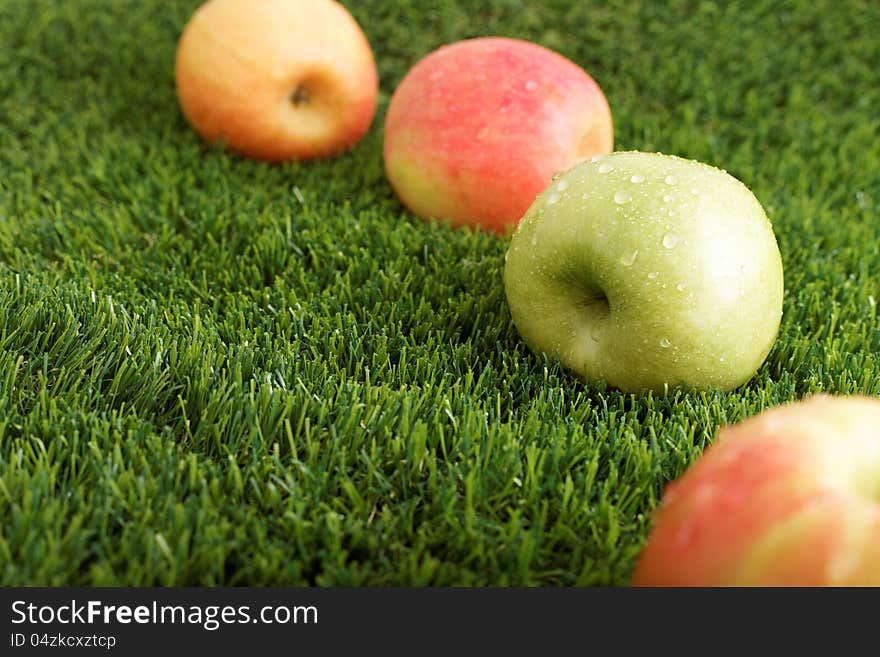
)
(645, 271)
(277, 80)
(789, 497)
(477, 128)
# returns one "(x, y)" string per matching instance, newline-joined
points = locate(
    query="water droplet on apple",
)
(670, 240)
(671, 213)
(628, 259)
(482, 134)
(721, 359)
(695, 191)
(534, 239)
(680, 287)
(586, 195)
(666, 198)
(665, 343)
(531, 85)
(637, 178)
(562, 186)
(669, 180)
(605, 168)
(622, 197)
(553, 198)
(654, 274)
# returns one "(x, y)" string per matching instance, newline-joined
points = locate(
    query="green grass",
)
(206, 381)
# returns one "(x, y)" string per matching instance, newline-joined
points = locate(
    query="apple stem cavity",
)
(599, 299)
(596, 311)
(300, 96)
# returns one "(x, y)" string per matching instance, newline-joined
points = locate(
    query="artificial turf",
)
(221, 372)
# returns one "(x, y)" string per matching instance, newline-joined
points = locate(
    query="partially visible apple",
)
(477, 128)
(277, 79)
(645, 271)
(790, 497)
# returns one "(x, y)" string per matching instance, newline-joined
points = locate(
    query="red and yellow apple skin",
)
(790, 497)
(477, 129)
(277, 80)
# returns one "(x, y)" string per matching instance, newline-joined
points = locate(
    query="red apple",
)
(477, 129)
(277, 79)
(790, 497)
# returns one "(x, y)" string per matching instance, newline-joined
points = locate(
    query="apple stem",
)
(300, 96)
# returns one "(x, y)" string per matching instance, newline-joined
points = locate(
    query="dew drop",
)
(562, 186)
(721, 360)
(628, 259)
(680, 287)
(666, 198)
(586, 195)
(653, 275)
(637, 178)
(669, 180)
(534, 240)
(695, 191)
(553, 198)
(670, 240)
(605, 168)
(665, 343)
(622, 197)
(531, 85)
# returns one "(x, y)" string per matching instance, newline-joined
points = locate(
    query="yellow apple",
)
(277, 79)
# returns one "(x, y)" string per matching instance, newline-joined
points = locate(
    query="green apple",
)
(647, 271)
